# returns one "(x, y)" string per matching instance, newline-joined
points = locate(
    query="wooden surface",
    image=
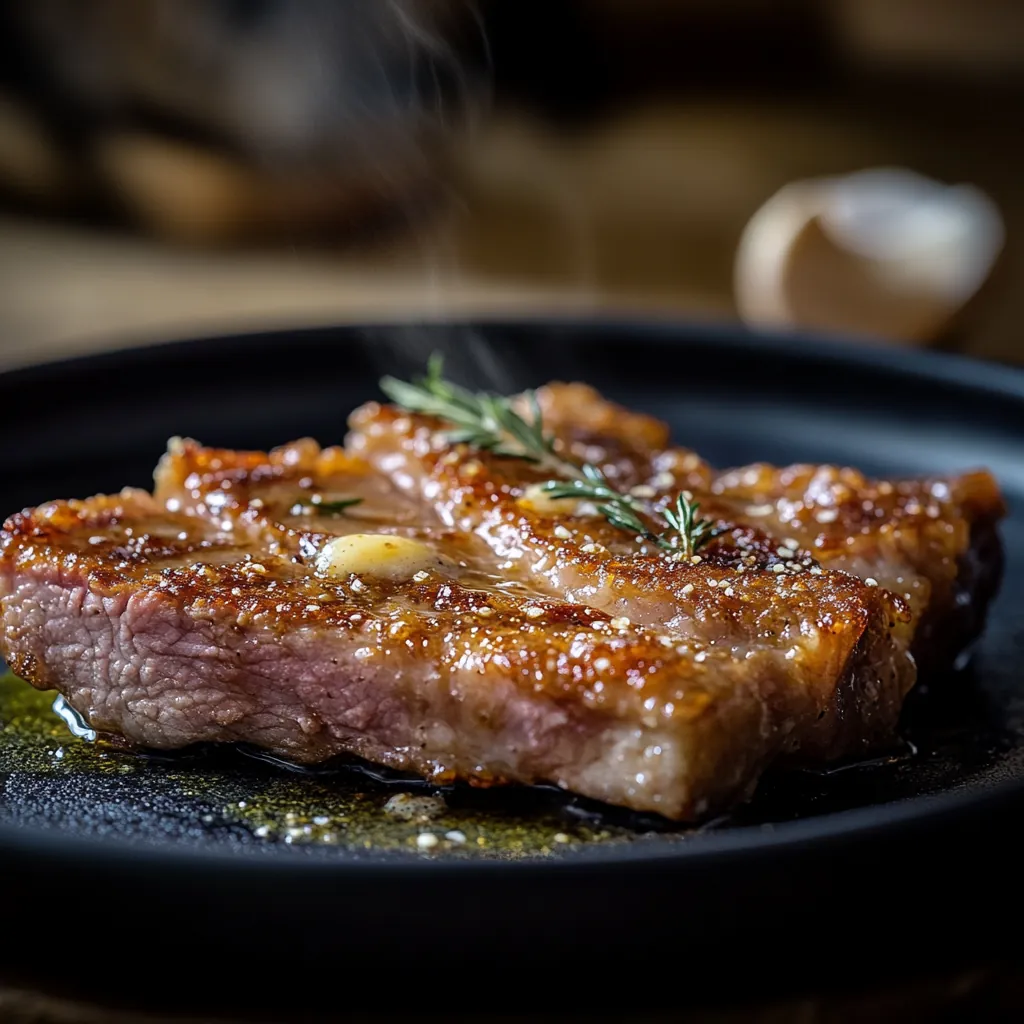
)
(641, 212)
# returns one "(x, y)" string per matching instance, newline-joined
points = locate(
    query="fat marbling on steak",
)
(458, 624)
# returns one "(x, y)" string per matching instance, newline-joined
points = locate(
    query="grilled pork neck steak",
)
(459, 624)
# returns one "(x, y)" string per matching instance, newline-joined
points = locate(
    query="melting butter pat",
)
(535, 499)
(377, 554)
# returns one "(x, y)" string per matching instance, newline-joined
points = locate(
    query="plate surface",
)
(295, 871)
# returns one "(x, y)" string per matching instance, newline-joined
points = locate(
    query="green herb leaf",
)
(330, 508)
(491, 423)
(692, 533)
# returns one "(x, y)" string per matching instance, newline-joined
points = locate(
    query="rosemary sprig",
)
(693, 533)
(491, 423)
(481, 420)
(621, 510)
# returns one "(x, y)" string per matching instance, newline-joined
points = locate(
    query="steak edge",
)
(538, 647)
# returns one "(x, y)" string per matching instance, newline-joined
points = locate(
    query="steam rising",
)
(451, 91)
(469, 356)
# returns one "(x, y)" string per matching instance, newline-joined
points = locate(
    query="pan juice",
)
(50, 776)
(33, 739)
(228, 795)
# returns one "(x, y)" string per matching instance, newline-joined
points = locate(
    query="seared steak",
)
(458, 624)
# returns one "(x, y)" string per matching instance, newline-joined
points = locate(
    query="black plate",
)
(918, 847)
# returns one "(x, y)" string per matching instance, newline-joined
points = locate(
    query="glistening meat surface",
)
(458, 624)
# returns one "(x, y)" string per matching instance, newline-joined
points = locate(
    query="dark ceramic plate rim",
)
(963, 373)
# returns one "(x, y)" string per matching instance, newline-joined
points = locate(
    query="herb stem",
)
(491, 423)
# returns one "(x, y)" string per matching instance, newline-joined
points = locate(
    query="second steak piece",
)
(734, 664)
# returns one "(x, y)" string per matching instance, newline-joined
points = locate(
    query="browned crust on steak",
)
(551, 650)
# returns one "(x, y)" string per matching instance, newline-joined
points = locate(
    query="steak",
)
(459, 624)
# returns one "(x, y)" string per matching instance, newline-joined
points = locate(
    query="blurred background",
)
(173, 167)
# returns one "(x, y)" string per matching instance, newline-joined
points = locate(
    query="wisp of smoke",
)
(470, 357)
(378, 90)
(451, 89)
